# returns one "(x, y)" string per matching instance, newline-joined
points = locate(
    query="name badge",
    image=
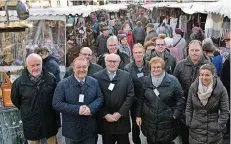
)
(81, 97)
(156, 92)
(139, 75)
(111, 86)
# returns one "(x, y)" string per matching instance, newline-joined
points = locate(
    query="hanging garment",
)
(183, 23)
(173, 23)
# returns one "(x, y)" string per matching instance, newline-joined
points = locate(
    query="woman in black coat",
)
(207, 108)
(160, 105)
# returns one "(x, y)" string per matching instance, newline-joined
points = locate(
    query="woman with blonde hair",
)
(160, 104)
(207, 109)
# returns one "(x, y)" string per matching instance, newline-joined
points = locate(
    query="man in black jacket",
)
(118, 92)
(113, 47)
(32, 94)
(93, 68)
(138, 69)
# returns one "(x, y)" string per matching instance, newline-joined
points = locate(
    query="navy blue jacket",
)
(52, 65)
(66, 101)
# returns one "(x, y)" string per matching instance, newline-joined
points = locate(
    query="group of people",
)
(167, 89)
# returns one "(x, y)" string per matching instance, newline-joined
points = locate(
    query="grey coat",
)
(139, 34)
(101, 45)
(150, 35)
(206, 123)
(180, 44)
(187, 72)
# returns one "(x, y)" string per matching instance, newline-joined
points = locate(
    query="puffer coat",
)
(206, 123)
(157, 112)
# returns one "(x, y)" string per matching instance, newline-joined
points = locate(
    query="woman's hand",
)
(138, 121)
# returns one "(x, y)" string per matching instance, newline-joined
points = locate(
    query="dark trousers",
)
(87, 141)
(113, 138)
(140, 41)
(135, 127)
(151, 142)
(184, 134)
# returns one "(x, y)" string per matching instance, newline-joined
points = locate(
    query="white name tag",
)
(111, 86)
(81, 97)
(156, 92)
(140, 75)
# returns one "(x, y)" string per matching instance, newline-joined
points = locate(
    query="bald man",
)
(118, 92)
(32, 94)
(93, 68)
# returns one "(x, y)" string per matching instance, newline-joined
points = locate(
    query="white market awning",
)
(221, 7)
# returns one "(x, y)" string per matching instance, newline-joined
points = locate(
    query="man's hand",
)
(109, 118)
(138, 121)
(81, 109)
(174, 117)
(116, 116)
(86, 111)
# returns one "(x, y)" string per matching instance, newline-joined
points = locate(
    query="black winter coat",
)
(125, 59)
(92, 69)
(118, 100)
(35, 105)
(52, 65)
(170, 61)
(206, 123)
(133, 70)
(101, 45)
(157, 112)
(186, 72)
(225, 74)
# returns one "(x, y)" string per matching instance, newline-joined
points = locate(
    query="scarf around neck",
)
(156, 81)
(204, 92)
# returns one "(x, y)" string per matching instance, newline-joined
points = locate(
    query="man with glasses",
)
(78, 97)
(117, 88)
(113, 47)
(93, 68)
(170, 61)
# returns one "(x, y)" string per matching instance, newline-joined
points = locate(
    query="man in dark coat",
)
(32, 94)
(49, 62)
(117, 88)
(170, 60)
(92, 68)
(113, 47)
(186, 71)
(101, 42)
(138, 68)
(78, 98)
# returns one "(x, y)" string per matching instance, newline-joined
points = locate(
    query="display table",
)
(11, 131)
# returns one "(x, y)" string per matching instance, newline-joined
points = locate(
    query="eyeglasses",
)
(111, 61)
(160, 44)
(84, 54)
(112, 45)
(79, 67)
(158, 67)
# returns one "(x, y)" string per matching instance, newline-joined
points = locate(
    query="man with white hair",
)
(118, 92)
(173, 51)
(32, 94)
(113, 47)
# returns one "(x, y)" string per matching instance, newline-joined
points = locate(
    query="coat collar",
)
(166, 81)
(75, 83)
(166, 54)
(199, 63)
(106, 77)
